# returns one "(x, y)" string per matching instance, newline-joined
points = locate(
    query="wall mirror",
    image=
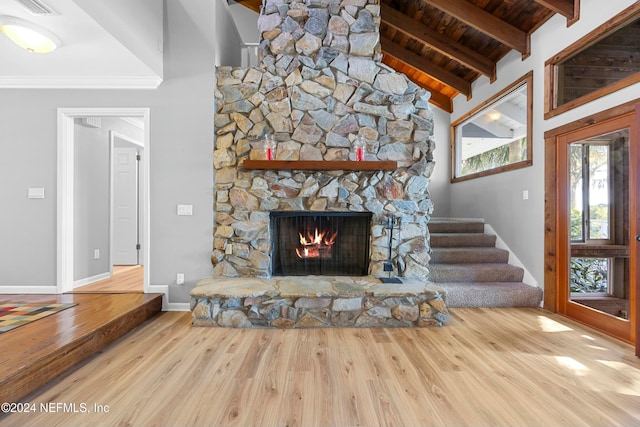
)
(495, 136)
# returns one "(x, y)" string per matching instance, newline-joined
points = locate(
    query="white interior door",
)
(125, 206)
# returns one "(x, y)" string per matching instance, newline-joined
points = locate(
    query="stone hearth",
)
(316, 302)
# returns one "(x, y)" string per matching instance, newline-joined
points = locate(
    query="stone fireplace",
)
(285, 250)
(321, 88)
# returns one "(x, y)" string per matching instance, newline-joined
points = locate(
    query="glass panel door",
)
(599, 223)
(597, 183)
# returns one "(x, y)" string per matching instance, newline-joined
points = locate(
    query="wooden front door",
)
(595, 206)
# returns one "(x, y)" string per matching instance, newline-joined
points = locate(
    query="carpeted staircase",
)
(466, 263)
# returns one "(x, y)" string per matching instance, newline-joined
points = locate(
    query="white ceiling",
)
(101, 48)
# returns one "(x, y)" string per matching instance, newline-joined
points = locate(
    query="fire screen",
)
(320, 243)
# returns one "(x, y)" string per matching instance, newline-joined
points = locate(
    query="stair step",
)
(452, 225)
(472, 271)
(441, 240)
(491, 294)
(446, 255)
(440, 273)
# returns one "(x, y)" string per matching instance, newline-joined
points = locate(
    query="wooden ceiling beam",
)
(570, 9)
(420, 63)
(254, 5)
(485, 22)
(438, 42)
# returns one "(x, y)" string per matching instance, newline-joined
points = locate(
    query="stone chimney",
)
(319, 87)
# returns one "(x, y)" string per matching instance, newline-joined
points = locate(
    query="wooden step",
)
(39, 351)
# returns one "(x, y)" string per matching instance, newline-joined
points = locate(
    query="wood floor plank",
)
(487, 367)
(125, 279)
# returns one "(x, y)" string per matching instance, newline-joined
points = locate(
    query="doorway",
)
(66, 224)
(125, 155)
(592, 222)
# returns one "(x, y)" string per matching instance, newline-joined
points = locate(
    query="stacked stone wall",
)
(320, 87)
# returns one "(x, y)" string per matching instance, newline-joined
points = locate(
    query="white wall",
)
(91, 201)
(181, 172)
(498, 198)
(246, 21)
(440, 181)
(138, 25)
(228, 41)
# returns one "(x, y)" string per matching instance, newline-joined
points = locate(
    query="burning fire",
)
(317, 244)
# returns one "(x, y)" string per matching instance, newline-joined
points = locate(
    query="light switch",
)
(525, 194)
(185, 209)
(36, 193)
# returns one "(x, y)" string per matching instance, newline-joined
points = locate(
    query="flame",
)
(317, 244)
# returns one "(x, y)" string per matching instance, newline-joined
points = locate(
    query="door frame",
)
(556, 241)
(65, 188)
(140, 145)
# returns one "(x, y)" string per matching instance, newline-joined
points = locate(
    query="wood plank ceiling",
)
(444, 45)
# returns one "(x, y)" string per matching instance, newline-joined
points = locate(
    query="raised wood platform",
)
(38, 352)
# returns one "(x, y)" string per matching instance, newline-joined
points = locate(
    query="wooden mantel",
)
(321, 165)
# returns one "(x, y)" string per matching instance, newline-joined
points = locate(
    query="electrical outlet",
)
(180, 279)
(96, 254)
(525, 194)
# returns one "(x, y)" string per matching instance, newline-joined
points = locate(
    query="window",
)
(590, 192)
(602, 62)
(496, 136)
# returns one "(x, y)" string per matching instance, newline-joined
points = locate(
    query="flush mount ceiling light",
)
(28, 35)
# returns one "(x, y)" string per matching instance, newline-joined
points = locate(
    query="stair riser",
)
(490, 295)
(470, 256)
(456, 227)
(475, 275)
(462, 240)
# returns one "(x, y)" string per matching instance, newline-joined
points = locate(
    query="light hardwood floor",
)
(125, 279)
(488, 367)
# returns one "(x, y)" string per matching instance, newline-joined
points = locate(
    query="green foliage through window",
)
(501, 156)
(589, 275)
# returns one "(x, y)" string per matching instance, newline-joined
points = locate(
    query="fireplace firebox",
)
(320, 243)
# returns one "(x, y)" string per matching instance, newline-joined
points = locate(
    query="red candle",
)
(269, 153)
(359, 154)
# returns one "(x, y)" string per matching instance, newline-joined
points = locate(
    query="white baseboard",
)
(178, 306)
(160, 289)
(90, 280)
(48, 290)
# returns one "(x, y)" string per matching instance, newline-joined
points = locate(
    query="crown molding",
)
(83, 82)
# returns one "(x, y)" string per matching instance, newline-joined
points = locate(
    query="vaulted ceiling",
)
(444, 45)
